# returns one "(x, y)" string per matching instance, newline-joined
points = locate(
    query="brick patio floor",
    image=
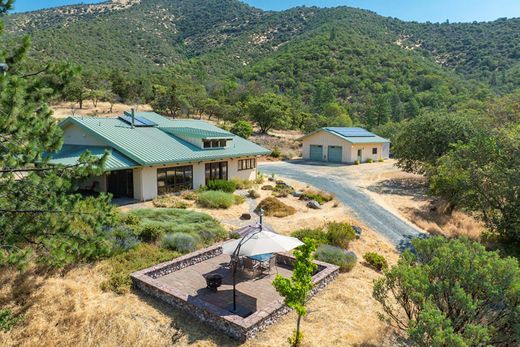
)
(253, 294)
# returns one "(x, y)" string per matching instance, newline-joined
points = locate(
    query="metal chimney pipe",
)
(133, 118)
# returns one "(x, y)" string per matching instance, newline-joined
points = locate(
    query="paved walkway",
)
(375, 216)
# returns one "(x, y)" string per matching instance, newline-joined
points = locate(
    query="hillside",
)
(380, 69)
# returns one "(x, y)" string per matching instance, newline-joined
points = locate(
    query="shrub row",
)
(336, 234)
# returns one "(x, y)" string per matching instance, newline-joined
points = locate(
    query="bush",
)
(375, 260)
(239, 199)
(129, 219)
(181, 242)
(318, 235)
(121, 266)
(190, 195)
(8, 320)
(150, 233)
(216, 199)
(253, 194)
(222, 185)
(340, 234)
(267, 187)
(170, 201)
(242, 128)
(281, 189)
(369, 160)
(243, 184)
(357, 162)
(276, 153)
(260, 178)
(319, 196)
(337, 256)
(275, 208)
(121, 238)
(172, 220)
(380, 160)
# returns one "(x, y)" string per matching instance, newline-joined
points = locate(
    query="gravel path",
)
(376, 217)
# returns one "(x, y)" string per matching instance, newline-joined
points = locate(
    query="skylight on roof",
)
(352, 132)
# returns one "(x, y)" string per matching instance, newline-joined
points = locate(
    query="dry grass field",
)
(68, 308)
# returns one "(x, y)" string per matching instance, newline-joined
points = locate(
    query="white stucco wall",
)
(366, 149)
(145, 183)
(74, 135)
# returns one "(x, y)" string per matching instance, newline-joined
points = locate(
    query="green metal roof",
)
(359, 135)
(155, 145)
(197, 133)
(69, 155)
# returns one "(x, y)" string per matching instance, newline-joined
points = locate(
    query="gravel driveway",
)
(336, 181)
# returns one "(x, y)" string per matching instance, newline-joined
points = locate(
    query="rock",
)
(271, 179)
(314, 205)
(267, 187)
(297, 194)
(358, 231)
(245, 216)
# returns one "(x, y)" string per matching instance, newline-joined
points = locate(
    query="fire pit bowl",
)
(213, 281)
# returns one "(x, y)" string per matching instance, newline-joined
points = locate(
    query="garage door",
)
(335, 153)
(316, 153)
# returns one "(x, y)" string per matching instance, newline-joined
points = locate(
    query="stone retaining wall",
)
(216, 317)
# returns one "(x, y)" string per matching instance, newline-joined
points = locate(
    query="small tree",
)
(296, 290)
(242, 128)
(270, 111)
(453, 293)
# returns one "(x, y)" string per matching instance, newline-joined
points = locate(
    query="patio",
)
(181, 283)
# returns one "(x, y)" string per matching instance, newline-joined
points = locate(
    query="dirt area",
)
(102, 109)
(406, 195)
(69, 308)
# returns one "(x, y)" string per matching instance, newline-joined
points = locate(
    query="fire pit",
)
(213, 281)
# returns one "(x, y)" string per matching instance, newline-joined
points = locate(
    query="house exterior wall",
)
(145, 178)
(349, 151)
(74, 135)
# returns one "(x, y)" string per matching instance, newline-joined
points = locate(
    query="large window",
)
(374, 150)
(174, 179)
(216, 171)
(246, 164)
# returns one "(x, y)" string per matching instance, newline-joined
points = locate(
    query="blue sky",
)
(418, 10)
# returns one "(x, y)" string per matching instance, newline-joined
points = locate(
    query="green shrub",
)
(281, 190)
(318, 235)
(253, 194)
(150, 232)
(319, 196)
(375, 260)
(129, 219)
(337, 256)
(260, 178)
(172, 220)
(181, 242)
(170, 201)
(275, 208)
(239, 199)
(216, 199)
(340, 234)
(235, 236)
(276, 153)
(357, 162)
(369, 160)
(8, 320)
(119, 268)
(380, 160)
(267, 187)
(243, 184)
(242, 128)
(222, 185)
(122, 238)
(189, 195)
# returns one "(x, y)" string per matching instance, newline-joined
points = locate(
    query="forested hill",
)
(378, 68)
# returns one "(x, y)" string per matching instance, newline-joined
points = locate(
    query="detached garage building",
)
(344, 145)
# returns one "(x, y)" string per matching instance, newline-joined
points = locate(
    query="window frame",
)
(246, 164)
(374, 150)
(168, 179)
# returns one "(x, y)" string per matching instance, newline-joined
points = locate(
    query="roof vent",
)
(138, 122)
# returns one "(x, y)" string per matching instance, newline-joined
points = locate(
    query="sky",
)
(416, 10)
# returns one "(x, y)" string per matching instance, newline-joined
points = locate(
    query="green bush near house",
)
(276, 153)
(243, 184)
(337, 256)
(375, 260)
(317, 235)
(340, 234)
(253, 194)
(216, 199)
(282, 190)
(222, 185)
(150, 233)
(267, 187)
(172, 220)
(370, 160)
(170, 201)
(119, 267)
(181, 242)
(319, 196)
(357, 162)
(380, 160)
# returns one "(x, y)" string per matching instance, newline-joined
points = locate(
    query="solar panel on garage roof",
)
(352, 132)
(138, 121)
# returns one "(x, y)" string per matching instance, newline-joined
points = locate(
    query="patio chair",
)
(267, 266)
(251, 265)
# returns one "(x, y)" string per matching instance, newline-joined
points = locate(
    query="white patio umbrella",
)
(260, 242)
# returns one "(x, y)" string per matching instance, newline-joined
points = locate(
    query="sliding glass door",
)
(216, 171)
(174, 179)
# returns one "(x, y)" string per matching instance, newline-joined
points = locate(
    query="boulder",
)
(297, 194)
(358, 231)
(245, 216)
(314, 205)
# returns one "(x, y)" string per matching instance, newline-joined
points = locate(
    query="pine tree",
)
(40, 215)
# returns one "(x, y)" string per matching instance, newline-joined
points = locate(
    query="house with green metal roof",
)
(151, 155)
(344, 145)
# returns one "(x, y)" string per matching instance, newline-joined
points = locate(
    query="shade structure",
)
(261, 242)
(252, 228)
